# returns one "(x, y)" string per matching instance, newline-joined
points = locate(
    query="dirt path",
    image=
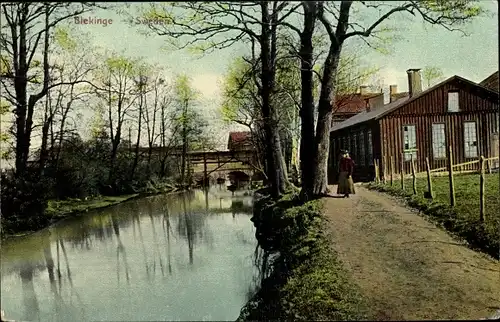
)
(407, 268)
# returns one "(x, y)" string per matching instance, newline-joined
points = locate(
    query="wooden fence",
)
(481, 165)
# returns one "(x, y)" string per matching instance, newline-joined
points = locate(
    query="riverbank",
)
(302, 279)
(61, 209)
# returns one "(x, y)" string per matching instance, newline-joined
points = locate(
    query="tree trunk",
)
(184, 146)
(20, 86)
(324, 123)
(274, 156)
(307, 150)
(138, 141)
(322, 144)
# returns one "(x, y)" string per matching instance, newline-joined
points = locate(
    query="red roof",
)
(239, 136)
(352, 103)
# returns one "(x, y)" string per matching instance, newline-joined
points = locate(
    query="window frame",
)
(369, 141)
(433, 138)
(355, 146)
(407, 153)
(362, 150)
(457, 93)
(467, 147)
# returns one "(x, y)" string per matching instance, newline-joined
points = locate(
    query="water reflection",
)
(67, 272)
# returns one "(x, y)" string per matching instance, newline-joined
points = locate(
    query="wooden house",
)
(456, 112)
(347, 105)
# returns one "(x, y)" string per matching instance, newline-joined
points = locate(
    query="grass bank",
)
(59, 209)
(301, 276)
(463, 219)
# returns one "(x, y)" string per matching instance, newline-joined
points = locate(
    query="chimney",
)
(367, 103)
(414, 81)
(393, 90)
(363, 90)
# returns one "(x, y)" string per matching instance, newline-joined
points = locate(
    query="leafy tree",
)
(187, 118)
(431, 75)
(5, 136)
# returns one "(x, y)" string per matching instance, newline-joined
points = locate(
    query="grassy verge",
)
(57, 209)
(60, 209)
(305, 281)
(463, 219)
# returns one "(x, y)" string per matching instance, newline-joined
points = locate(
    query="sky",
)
(473, 57)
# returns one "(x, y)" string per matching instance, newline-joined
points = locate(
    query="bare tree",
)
(25, 27)
(116, 76)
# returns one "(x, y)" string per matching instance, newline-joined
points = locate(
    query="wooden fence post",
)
(488, 163)
(384, 169)
(450, 176)
(429, 179)
(375, 164)
(481, 189)
(402, 171)
(414, 177)
(391, 164)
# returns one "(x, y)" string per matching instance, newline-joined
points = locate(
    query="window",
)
(345, 143)
(470, 139)
(370, 147)
(453, 105)
(410, 142)
(438, 141)
(362, 149)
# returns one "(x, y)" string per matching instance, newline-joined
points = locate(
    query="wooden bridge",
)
(214, 160)
(220, 161)
(241, 156)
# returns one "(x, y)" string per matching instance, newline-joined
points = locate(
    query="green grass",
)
(307, 282)
(61, 208)
(463, 219)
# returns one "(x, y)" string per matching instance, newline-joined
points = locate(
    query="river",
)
(176, 257)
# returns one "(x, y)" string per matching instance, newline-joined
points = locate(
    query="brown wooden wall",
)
(475, 105)
(471, 99)
(364, 170)
(392, 137)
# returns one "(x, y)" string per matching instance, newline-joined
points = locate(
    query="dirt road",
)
(406, 267)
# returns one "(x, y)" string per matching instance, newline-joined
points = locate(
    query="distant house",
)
(491, 82)
(240, 141)
(456, 112)
(347, 105)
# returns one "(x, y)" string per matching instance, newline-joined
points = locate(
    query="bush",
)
(24, 201)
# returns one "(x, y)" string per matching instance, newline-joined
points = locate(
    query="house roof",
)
(373, 114)
(352, 103)
(397, 96)
(491, 82)
(378, 113)
(239, 136)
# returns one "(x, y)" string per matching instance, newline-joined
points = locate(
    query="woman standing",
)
(346, 168)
